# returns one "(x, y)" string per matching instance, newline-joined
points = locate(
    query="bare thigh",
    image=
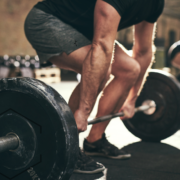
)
(73, 61)
(122, 61)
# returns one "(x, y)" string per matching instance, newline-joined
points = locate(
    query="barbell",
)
(39, 138)
(148, 107)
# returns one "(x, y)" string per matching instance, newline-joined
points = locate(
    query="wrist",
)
(84, 110)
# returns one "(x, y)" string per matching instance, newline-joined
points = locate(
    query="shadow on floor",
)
(149, 161)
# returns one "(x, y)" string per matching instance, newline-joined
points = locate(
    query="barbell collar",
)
(9, 142)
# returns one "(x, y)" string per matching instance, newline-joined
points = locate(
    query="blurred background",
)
(18, 58)
(167, 33)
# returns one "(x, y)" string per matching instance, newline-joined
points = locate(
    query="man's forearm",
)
(145, 60)
(94, 71)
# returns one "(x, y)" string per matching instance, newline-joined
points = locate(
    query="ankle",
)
(92, 139)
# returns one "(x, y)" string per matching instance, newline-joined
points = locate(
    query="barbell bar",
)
(39, 133)
(9, 142)
(144, 108)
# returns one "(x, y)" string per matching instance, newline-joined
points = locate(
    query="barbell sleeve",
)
(9, 142)
(143, 108)
(120, 114)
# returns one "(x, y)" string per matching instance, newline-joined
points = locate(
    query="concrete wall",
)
(165, 25)
(12, 37)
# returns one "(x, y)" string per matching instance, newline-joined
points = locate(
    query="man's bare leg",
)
(74, 63)
(74, 99)
(143, 54)
(126, 71)
(75, 96)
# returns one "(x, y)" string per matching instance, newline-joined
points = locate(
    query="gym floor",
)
(149, 161)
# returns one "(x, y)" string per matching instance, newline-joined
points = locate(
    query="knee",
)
(134, 71)
(130, 72)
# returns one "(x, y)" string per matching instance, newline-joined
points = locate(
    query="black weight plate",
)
(54, 126)
(164, 89)
(21, 157)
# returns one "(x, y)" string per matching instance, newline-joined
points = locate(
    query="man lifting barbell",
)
(80, 36)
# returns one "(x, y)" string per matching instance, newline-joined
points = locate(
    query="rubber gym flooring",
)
(149, 161)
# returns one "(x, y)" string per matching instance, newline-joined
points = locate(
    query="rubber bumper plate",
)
(45, 125)
(164, 89)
